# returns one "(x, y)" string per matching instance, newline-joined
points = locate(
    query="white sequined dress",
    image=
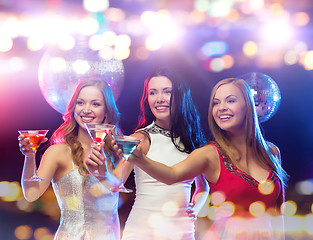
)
(159, 209)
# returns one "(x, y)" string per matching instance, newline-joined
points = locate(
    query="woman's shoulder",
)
(57, 149)
(140, 134)
(209, 150)
(211, 146)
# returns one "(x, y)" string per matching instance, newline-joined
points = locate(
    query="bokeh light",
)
(170, 209)
(42, 233)
(276, 32)
(6, 44)
(24, 205)
(225, 210)
(305, 187)
(266, 187)
(289, 208)
(11, 191)
(301, 18)
(153, 43)
(66, 42)
(217, 198)
(23, 232)
(276, 27)
(96, 5)
(308, 219)
(257, 209)
(308, 60)
(88, 26)
(250, 49)
(214, 48)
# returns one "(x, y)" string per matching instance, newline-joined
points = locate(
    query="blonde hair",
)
(68, 131)
(254, 137)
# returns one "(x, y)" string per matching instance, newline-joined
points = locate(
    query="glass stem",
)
(35, 164)
(123, 169)
(97, 172)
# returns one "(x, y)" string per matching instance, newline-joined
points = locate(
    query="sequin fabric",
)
(155, 129)
(88, 209)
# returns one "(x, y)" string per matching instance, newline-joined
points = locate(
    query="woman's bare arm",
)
(195, 164)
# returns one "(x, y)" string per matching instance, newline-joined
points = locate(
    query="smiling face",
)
(159, 98)
(229, 108)
(90, 106)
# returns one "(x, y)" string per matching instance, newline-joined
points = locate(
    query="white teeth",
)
(87, 118)
(159, 108)
(225, 117)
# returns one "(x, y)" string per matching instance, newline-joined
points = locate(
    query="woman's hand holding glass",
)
(29, 141)
(26, 147)
(96, 159)
(136, 157)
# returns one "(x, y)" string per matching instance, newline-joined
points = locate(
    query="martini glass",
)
(98, 133)
(127, 144)
(35, 137)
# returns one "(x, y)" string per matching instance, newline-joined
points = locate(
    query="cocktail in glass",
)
(35, 137)
(98, 133)
(127, 144)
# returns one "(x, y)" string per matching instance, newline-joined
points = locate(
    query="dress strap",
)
(73, 165)
(229, 166)
(142, 131)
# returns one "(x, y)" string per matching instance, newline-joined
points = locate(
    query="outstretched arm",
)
(195, 164)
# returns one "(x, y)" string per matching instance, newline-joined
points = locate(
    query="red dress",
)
(241, 205)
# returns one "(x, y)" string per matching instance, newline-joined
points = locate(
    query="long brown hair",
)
(254, 137)
(68, 131)
(185, 118)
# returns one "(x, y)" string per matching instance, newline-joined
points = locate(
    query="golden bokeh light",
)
(250, 49)
(43, 233)
(23, 232)
(257, 209)
(12, 191)
(266, 187)
(289, 208)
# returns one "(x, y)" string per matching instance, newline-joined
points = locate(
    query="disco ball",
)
(60, 71)
(265, 92)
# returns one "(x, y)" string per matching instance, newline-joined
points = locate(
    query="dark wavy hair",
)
(185, 119)
(68, 131)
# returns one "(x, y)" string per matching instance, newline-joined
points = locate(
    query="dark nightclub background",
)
(24, 107)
